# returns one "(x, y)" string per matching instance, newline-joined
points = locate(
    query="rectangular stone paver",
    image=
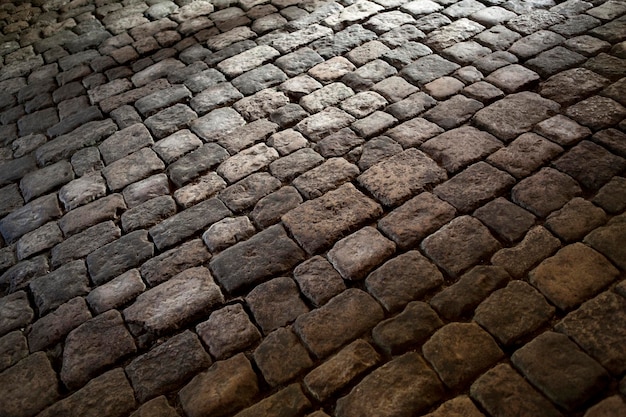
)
(398, 178)
(268, 253)
(170, 305)
(318, 223)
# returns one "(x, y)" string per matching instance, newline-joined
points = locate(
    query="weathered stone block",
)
(151, 373)
(267, 254)
(93, 346)
(341, 320)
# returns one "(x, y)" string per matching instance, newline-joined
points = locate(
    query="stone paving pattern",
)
(287, 208)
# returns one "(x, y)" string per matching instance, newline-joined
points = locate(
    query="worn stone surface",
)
(459, 352)
(26, 399)
(227, 386)
(398, 178)
(502, 391)
(410, 328)
(440, 152)
(400, 377)
(94, 345)
(318, 223)
(181, 299)
(549, 357)
(574, 274)
(240, 332)
(594, 327)
(149, 373)
(268, 253)
(344, 318)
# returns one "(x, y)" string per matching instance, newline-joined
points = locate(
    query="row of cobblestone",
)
(316, 208)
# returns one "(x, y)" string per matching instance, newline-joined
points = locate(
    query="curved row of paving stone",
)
(288, 208)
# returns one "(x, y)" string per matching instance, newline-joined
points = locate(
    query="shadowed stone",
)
(93, 346)
(596, 327)
(268, 253)
(573, 275)
(460, 244)
(119, 256)
(116, 292)
(339, 370)
(461, 351)
(413, 326)
(109, 395)
(515, 114)
(389, 390)
(228, 386)
(403, 279)
(28, 387)
(503, 392)
(281, 357)
(397, 178)
(343, 319)
(53, 327)
(289, 402)
(151, 374)
(59, 286)
(15, 312)
(228, 331)
(557, 367)
(513, 312)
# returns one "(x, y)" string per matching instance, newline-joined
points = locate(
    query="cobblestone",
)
(143, 105)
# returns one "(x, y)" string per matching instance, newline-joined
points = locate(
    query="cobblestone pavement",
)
(348, 208)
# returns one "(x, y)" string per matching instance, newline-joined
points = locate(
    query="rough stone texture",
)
(356, 255)
(171, 262)
(574, 274)
(15, 312)
(55, 288)
(275, 303)
(595, 328)
(515, 114)
(157, 407)
(116, 292)
(398, 178)
(93, 346)
(228, 386)
(557, 367)
(281, 357)
(503, 392)
(513, 312)
(339, 370)
(461, 298)
(150, 374)
(173, 303)
(228, 331)
(403, 279)
(13, 348)
(460, 351)
(609, 241)
(116, 257)
(395, 382)
(536, 245)
(53, 327)
(414, 325)
(188, 222)
(27, 400)
(344, 318)
(318, 280)
(29, 217)
(575, 220)
(457, 148)
(288, 402)
(268, 253)
(545, 191)
(109, 394)
(474, 186)
(460, 244)
(318, 223)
